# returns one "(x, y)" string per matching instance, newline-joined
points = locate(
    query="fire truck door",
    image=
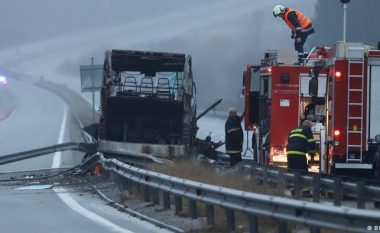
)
(322, 155)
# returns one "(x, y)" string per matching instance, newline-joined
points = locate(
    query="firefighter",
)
(234, 136)
(300, 142)
(299, 24)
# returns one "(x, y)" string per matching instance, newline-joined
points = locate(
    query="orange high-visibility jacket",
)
(302, 19)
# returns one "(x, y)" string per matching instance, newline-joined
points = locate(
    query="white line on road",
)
(65, 196)
(68, 200)
(57, 155)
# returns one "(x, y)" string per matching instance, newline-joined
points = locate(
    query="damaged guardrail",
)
(83, 147)
(284, 210)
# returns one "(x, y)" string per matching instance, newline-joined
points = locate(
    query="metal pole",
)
(344, 20)
(297, 185)
(155, 197)
(230, 216)
(210, 214)
(337, 191)
(93, 94)
(146, 195)
(361, 195)
(166, 200)
(178, 204)
(316, 187)
(193, 209)
(253, 224)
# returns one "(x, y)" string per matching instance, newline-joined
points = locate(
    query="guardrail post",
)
(297, 184)
(193, 209)
(146, 196)
(166, 200)
(265, 175)
(178, 204)
(255, 175)
(230, 216)
(130, 183)
(281, 181)
(135, 187)
(361, 194)
(210, 214)
(316, 187)
(315, 230)
(282, 226)
(337, 191)
(155, 197)
(253, 224)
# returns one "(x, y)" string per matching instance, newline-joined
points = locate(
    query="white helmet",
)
(278, 9)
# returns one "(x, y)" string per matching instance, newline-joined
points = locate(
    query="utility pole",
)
(344, 5)
(92, 84)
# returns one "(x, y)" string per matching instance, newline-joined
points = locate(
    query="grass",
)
(196, 171)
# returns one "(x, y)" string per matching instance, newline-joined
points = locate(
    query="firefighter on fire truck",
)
(300, 142)
(299, 24)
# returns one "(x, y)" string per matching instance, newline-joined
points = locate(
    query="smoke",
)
(222, 36)
(220, 53)
(362, 22)
(25, 21)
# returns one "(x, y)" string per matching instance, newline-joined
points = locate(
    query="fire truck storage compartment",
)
(144, 120)
(374, 101)
(304, 85)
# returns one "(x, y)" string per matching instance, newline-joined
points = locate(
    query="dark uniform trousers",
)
(297, 162)
(234, 158)
(300, 142)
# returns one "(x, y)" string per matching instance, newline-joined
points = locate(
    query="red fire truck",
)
(336, 88)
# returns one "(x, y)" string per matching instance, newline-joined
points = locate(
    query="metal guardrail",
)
(338, 186)
(317, 216)
(83, 147)
(253, 204)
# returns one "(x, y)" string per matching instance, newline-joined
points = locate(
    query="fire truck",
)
(336, 88)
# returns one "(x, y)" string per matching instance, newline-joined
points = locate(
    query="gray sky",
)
(362, 22)
(221, 35)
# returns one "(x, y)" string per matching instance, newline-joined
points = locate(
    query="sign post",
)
(92, 87)
(91, 80)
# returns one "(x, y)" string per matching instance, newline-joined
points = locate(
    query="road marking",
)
(57, 155)
(65, 196)
(35, 187)
(68, 200)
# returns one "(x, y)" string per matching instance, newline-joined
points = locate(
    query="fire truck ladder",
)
(352, 103)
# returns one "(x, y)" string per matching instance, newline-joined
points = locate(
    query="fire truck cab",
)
(335, 88)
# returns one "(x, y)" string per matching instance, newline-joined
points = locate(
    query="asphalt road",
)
(42, 119)
(35, 122)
